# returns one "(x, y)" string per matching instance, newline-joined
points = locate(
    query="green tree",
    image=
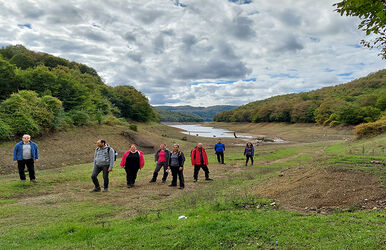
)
(373, 16)
(22, 61)
(8, 79)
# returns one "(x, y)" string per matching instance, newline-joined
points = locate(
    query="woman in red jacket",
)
(132, 161)
(199, 159)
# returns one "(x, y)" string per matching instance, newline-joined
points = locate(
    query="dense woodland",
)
(360, 101)
(40, 93)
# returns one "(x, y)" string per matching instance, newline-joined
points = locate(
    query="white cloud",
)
(162, 47)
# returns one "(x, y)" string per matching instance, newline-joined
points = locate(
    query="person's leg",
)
(31, 169)
(134, 176)
(21, 166)
(128, 176)
(222, 157)
(218, 157)
(156, 170)
(181, 178)
(251, 160)
(106, 177)
(246, 162)
(206, 170)
(196, 170)
(94, 176)
(174, 175)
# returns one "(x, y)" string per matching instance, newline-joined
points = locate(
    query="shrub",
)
(21, 124)
(370, 129)
(133, 127)
(112, 120)
(5, 130)
(63, 121)
(80, 118)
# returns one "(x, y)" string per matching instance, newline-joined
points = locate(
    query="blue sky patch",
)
(346, 74)
(26, 25)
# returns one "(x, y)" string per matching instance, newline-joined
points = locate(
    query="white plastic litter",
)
(182, 217)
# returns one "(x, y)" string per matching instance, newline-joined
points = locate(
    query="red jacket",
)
(195, 157)
(141, 159)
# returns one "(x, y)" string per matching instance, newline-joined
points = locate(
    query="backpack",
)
(115, 152)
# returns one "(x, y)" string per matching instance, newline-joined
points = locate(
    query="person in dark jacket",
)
(199, 160)
(176, 165)
(249, 152)
(132, 161)
(26, 153)
(219, 149)
(161, 160)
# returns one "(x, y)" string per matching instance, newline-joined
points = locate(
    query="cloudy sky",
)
(197, 52)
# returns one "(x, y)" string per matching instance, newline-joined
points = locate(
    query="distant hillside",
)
(173, 116)
(206, 113)
(40, 93)
(360, 101)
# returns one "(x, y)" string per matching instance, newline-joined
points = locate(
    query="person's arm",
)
(37, 153)
(223, 146)
(111, 157)
(94, 158)
(15, 149)
(156, 157)
(182, 162)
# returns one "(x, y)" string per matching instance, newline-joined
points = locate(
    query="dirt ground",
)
(323, 190)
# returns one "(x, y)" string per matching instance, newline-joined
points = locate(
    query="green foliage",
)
(133, 127)
(79, 118)
(361, 100)
(5, 130)
(57, 94)
(373, 20)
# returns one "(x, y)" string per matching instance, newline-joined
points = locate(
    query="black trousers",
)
(249, 156)
(197, 169)
(158, 168)
(220, 155)
(30, 166)
(131, 175)
(96, 171)
(176, 172)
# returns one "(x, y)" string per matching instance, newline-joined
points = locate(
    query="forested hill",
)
(174, 116)
(360, 101)
(40, 92)
(206, 113)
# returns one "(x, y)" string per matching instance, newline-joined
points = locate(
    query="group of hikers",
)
(26, 153)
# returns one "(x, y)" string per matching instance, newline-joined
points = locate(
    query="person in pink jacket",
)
(132, 161)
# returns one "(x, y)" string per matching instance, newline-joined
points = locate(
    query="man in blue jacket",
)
(219, 149)
(26, 153)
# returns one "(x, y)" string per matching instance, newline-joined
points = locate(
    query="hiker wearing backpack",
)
(176, 165)
(249, 152)
(199, 160)
(132, 161)
(161, 158)
(104, 158)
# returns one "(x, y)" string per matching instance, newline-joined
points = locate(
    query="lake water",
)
(199, 130)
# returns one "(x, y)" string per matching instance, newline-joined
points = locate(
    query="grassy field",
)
(230, 212)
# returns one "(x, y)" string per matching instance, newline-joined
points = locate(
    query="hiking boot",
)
(151, 181)
(163, 182)
(208, 179)
(129, 186)
(34, 180)
(22, 180)
(105, 190)
(195, 180)
(171, 185)
(181, 187)
(95, 190)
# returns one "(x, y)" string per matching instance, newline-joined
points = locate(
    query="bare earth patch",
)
(324, 189)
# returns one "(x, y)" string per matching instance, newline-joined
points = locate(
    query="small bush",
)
(112, 120)
(80, 118)
(133, 127)
(5, 130)
(371, 129)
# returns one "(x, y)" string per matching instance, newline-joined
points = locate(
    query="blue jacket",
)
(219, 147)
(18, 151)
